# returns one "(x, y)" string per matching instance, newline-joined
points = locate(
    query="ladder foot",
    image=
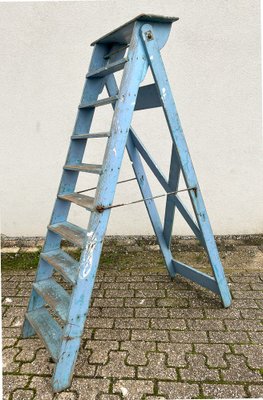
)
(27, 330)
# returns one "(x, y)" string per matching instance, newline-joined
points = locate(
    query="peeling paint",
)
(114, 151)
(88, 255)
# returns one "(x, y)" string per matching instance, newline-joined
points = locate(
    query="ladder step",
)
(63, 263)
(70, 232)
(47, 329)
(90, 135)
(108, 69)
(91, 168)
(98, 103)
(79, 199)
(55, 296)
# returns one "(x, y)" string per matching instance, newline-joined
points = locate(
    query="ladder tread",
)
(79, 199)
(54, 295)
(70, 232)
(47, 329)
(98, 103)
(82, 167)
(63, 263)
(90, 135)
(108, 69)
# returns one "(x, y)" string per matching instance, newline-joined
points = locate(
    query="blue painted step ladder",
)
(56, 315)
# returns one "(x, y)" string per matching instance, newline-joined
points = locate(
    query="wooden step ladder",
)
(53, 313)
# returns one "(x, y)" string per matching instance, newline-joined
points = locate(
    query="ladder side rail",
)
(173, 181)
(145, 187)
(92, 89)
(161, 79)
(80, 298)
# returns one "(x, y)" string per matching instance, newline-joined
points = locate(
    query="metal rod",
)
(102, 208)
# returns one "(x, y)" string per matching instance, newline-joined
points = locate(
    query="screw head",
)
(149, 35)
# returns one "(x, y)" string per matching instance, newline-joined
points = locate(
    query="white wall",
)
(213, 62)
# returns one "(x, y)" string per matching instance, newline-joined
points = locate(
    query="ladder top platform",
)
(122, 34)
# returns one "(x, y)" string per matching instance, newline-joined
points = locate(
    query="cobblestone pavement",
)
(147, 337)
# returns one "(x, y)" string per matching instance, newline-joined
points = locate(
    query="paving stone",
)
(10, 292)
(92, 387)
(259, 303)
(123, 312)
(9, 363)
(14, 332)
(252, 314)
(205, 325)
(156, 293)
(95, 312)
(66, 396)
(8, 342)
(42, 387)
(131, 323)
(256, 294)
(157, 278)
(256, 337)
(21, 394)
(189, 337)
(243, 325)
(257, 286)
(228, 337)
(221, 391)
(40, 365)
(222, 314)
(151, 312)
(173, 302)
(156, 368)
(256, 391)
(130, 278)
(115, 285)
(109, 397)
(186, 313)
(197, 370)
(244, 303)
(116, 367)
(238, 371)
(29, 348)
(150, 335)
(115, 293)
(254, 354)
(177, 390)
(100, 350)
(200, 302)
(143, 285)
(99, 323)
(108, 302)
(133, 390)
(83, 367)
(112, 334)
(137, 351)
(13, 382)
(178, 324)
(137, 302)
(245, 278)
(214, 353)
(176, 353)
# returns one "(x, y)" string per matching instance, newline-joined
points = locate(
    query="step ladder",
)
(55, 315)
